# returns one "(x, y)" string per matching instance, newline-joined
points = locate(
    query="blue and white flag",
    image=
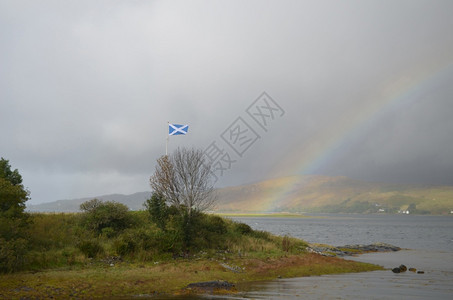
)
(176, 129)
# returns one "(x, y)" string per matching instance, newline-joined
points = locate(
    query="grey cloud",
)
(86, 88)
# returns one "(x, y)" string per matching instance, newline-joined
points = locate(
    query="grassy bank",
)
(166, 278)
(69, 258)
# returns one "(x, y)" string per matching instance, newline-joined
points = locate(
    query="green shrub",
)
(242, 228)
(53, 230)
(108, 232)
(215, 224)
(262, 235)
(12, 254)
(168, 242)
(90, 248)
(69, 255)
(153, 241)
(99, 215)
(158, 210)
(208, 232)
(125, 244)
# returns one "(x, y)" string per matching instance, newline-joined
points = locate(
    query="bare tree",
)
(184, 178)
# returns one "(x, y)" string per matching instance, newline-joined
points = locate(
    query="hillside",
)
(334, 194)
(134, 202)
(309, 193)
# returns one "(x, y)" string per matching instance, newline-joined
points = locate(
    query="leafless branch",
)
(185, 180)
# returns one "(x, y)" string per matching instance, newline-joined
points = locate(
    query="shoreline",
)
(261, 215)
(168, 279)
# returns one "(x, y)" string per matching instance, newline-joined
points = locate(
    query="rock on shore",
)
(211, 286)
(349, 250)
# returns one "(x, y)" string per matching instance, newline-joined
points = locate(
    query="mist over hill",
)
(306, 193)
(134, 202)
(313, 193)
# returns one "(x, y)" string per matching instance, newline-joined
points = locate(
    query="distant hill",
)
(312, 193)
(134, 202)
(308, 193)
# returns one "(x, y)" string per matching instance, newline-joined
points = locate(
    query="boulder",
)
(211, 286)
(348, 250)
(400, 269)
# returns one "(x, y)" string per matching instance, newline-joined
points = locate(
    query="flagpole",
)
(166, 144)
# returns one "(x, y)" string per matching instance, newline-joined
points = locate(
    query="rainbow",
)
(395, 97)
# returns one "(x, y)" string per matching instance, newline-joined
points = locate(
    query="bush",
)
(242, 228)
(108, 232)
(131, 242)
(125, 245)
(99, 215)
(262, 235)
(215, 224)
(208, 232)
(158, 210)
(90, 248)
(167, 242)
(69, 255)
(53, 231)
(12, 254)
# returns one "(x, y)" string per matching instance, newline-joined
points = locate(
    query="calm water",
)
(405, 231)
(429, 240)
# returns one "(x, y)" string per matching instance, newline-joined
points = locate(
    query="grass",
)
(166, 278)
(58, 267)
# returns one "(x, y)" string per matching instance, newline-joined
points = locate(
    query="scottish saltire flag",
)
(176, 129)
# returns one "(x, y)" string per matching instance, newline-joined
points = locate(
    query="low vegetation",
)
(131, 280)
(108, 251)
(67, 256)
(109, 231)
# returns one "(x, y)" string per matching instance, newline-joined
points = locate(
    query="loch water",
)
(427, 242)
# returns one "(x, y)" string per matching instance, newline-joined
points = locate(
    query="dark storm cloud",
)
(407, 145)
(87, 87)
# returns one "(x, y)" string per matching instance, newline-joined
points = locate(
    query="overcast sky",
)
(357, 88)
